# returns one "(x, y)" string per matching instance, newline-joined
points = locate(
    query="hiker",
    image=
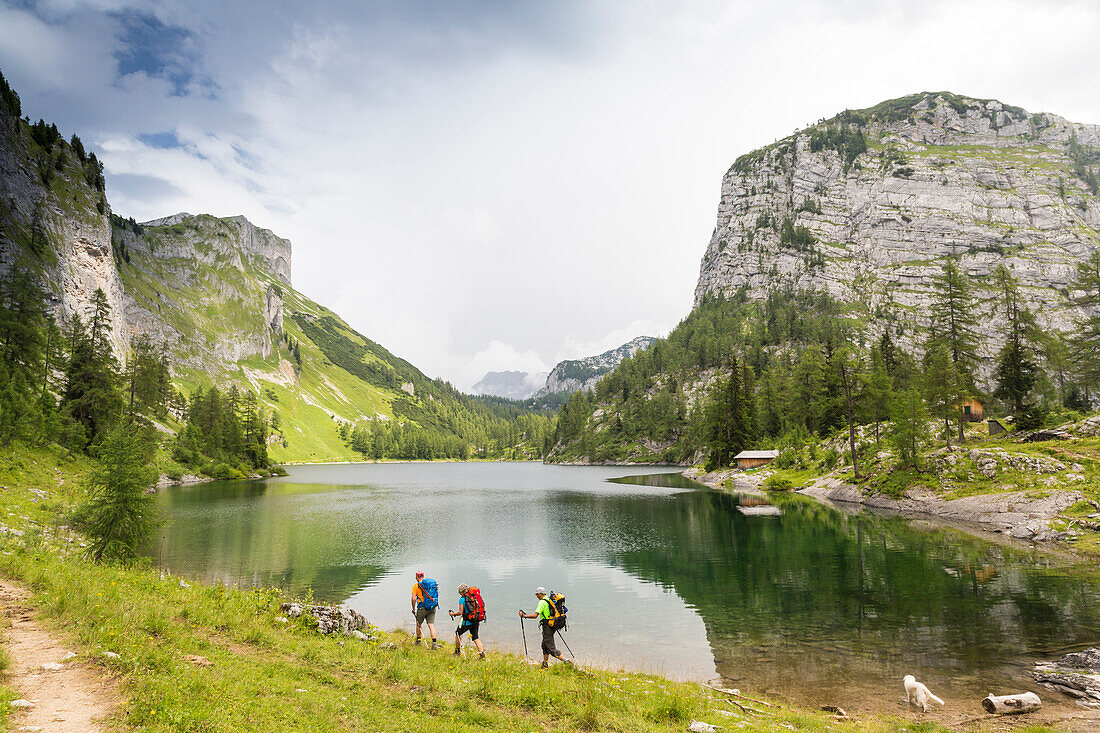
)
(547, 614)
(425, 599)
(472, 611)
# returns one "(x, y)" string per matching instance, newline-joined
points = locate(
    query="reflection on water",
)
(812, 603)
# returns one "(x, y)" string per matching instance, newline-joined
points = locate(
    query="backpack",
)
(430, 590)
(557, 611)
(474, 608)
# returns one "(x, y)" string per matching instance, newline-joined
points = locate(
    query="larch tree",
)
(954, 324)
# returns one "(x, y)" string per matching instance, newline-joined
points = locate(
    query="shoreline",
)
(1015, 515)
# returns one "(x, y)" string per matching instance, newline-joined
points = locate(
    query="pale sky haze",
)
(494, 185)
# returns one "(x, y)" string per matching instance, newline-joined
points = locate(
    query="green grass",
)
(268, 675)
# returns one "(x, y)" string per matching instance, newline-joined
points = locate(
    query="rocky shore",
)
(1019, 514)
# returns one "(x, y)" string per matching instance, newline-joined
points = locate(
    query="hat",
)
(419, 574)
(462, 589)
(539, 590)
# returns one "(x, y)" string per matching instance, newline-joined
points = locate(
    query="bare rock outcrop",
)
(330, 619)
(1020, 514)
(869, 204)
(1076, 675)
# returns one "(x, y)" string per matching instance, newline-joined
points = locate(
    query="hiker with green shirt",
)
(547, 614)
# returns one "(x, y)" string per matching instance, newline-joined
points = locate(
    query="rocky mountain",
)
(511, 385)
(54, 219)
(218, 293)
(834, 235)
(868, 204)
(574, 375)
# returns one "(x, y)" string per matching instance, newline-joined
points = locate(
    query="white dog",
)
(917, 694)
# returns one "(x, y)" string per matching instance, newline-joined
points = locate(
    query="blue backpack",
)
(430, 589)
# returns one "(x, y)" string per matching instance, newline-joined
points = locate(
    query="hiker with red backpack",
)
(472, 611)
(551, 615)
(425, 600)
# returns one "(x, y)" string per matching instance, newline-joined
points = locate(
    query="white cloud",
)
(531, 176)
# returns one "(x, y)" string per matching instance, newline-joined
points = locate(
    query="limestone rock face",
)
(57, 229)
(885, 195)
(210, 288)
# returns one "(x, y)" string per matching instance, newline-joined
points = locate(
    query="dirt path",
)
(73, 699)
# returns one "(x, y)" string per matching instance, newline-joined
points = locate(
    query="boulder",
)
(1076, 675)
(330, 619)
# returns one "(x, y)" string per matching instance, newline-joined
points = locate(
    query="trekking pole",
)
(524, 632)
(563, 641)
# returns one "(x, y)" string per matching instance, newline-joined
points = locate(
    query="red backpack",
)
(474, 608)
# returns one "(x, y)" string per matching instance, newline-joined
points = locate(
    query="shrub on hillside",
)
(778, 483)
(222, 471)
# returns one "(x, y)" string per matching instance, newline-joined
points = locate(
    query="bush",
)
(787, 458)
(778, 483)
(222, 471)
(175, 473)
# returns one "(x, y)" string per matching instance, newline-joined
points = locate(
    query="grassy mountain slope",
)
(217, 293)
(229, 318)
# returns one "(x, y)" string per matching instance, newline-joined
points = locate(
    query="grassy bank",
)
(181, 646)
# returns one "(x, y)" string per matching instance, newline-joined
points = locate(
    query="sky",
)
(500, 185)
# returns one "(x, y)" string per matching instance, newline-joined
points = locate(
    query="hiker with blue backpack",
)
(551, 615)
(425, 600)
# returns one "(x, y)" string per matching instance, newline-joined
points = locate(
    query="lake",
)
(815, 604)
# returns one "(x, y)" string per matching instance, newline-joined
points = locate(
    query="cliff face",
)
(869, 204)
(212, 288)
(55, 224)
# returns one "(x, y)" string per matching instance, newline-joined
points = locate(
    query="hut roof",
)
(757, 454)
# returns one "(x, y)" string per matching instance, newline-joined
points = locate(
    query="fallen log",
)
(1021, 702)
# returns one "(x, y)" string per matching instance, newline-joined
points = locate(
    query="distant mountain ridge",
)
(574, 375)
(512, 385)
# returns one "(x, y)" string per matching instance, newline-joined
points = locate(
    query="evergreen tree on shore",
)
(1016, 370)
(120, 513)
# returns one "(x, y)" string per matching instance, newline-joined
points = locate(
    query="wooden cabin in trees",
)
(747, 459)
(973, 410)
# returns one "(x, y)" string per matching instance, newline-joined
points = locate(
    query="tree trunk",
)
(962, 423)
(1021, 702)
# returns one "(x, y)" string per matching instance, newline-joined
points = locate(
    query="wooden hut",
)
(973, 410)
(747, 459)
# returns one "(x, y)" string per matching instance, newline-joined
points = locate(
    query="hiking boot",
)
(435, 645)
(481, 655)
(544, 665)
(417, 642)
(457, 653)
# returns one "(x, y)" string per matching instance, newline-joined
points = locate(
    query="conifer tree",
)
(850, 372)
(1084, 343)
(954, 322)
(945, 387)
(1016, 371)
(120, 514)
(878, 391)
(91, 395)
(910, 417)
(727, 418)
